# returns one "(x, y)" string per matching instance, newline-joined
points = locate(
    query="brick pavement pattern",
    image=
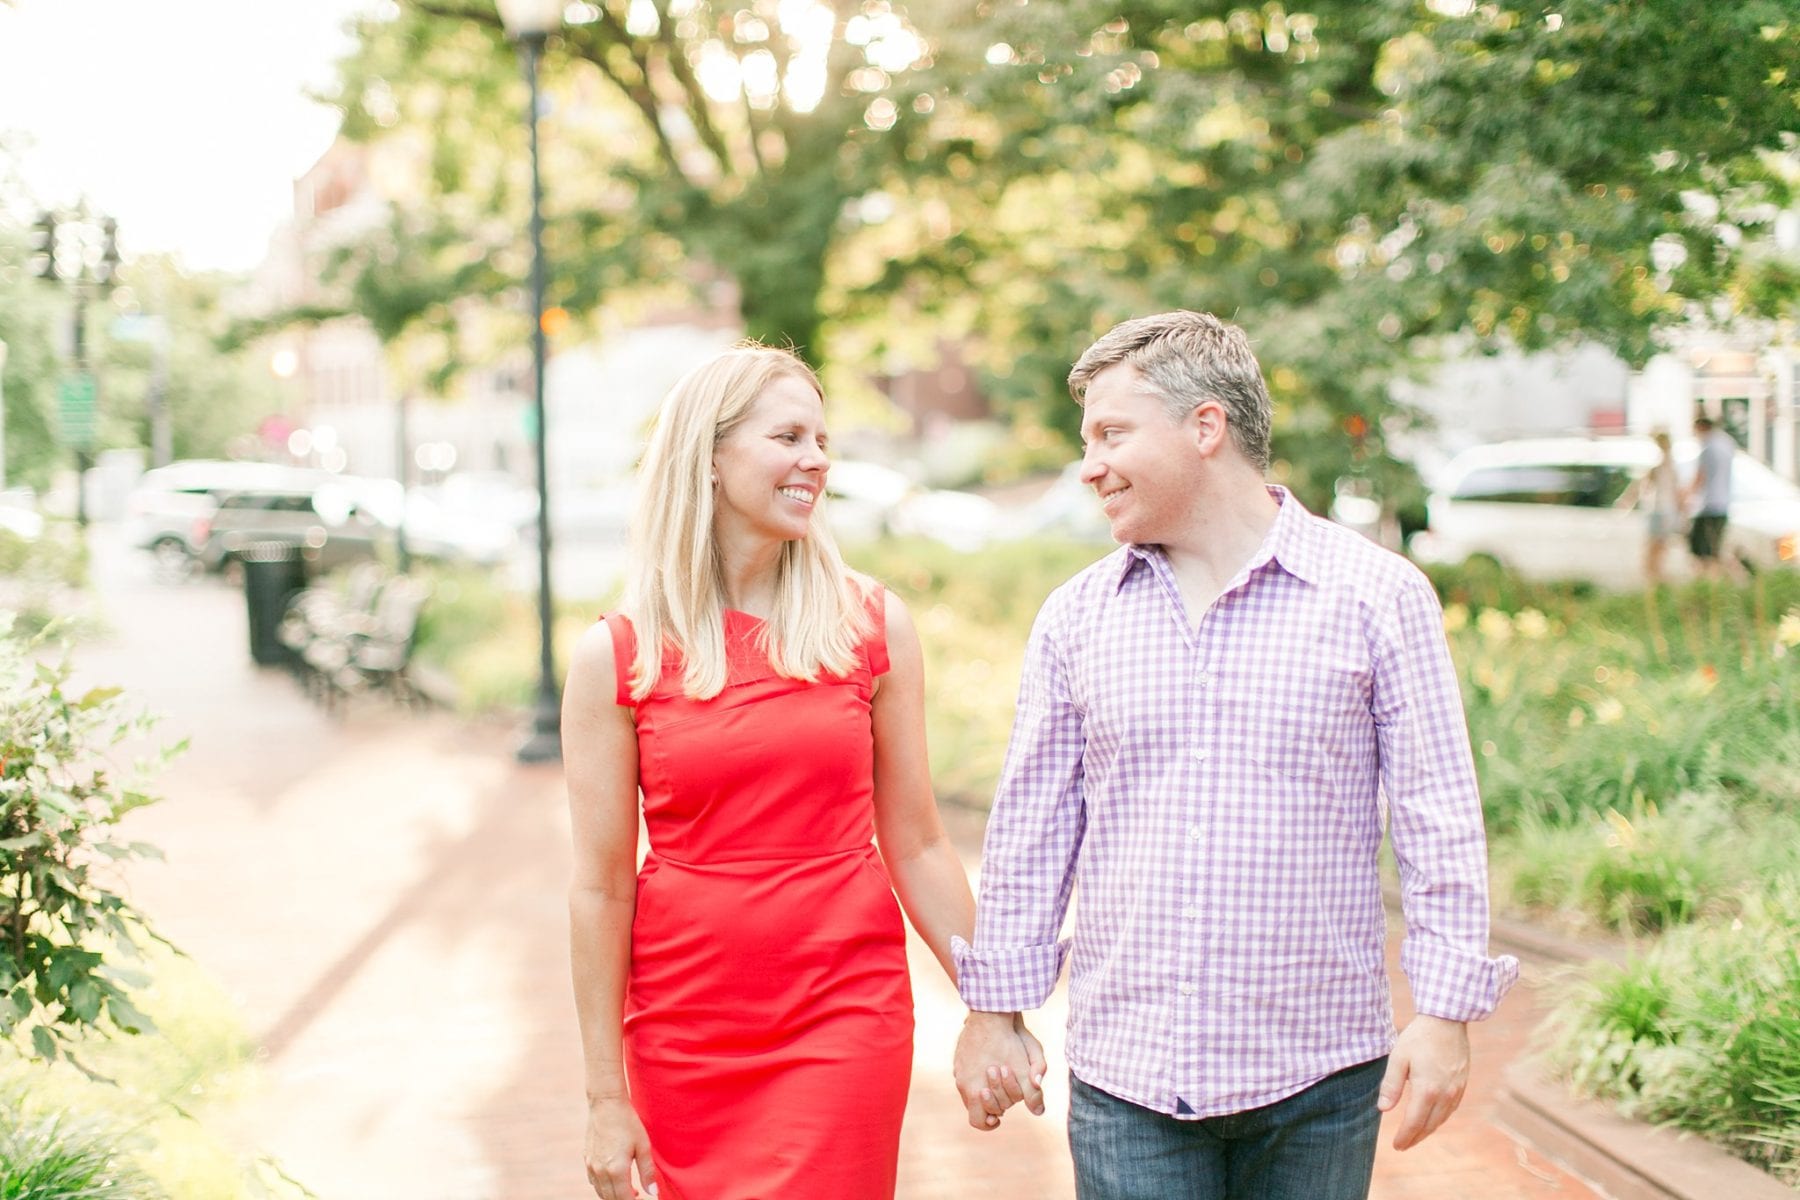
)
(383, 897)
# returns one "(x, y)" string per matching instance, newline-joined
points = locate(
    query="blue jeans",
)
(1318, 1144)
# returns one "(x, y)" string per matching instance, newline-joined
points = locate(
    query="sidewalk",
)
(384, 899)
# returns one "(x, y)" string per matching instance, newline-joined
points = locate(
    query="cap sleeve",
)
(624, 640)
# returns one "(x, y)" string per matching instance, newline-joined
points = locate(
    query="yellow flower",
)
(1494, 625)
(1532, 624)
(1609, 712)
(1456, 617)
(1788, 632)
(1577, 718)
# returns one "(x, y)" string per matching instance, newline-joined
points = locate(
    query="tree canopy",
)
(1355, 183)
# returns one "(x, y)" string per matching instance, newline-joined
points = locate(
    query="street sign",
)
(139, 327)
(77, 418)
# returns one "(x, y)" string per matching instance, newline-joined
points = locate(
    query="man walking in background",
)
(1712, 482)
(1215, 723)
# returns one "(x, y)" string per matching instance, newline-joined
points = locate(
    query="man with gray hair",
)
(1216, 724)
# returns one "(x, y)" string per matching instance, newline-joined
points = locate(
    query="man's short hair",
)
(1189, 357)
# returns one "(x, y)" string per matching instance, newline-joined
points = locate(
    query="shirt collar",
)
(1289, 544)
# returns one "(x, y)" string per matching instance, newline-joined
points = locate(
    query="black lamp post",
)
(87, 273)
(529, 22)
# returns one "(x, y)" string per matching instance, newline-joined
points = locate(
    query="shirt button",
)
(1191, 912)
(1193, 833)
(1204, 679)
(1201, 754)
(1187, 989)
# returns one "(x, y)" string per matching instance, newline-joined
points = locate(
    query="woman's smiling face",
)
(771, 467)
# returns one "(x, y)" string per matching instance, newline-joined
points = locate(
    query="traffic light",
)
(108, 272)
(43, 246)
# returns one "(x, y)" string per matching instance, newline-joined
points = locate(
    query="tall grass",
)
(159, 1106)
(54, 1156)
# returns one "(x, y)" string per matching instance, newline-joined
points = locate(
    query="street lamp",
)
(529, 23)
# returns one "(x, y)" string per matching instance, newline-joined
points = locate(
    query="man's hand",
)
(1431, 1057)
(998, 1064)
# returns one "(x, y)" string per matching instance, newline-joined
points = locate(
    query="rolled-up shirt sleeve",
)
(1435, 818)
(1033, 835)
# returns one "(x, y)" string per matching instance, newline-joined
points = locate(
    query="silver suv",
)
(169, 508)
(330, 524)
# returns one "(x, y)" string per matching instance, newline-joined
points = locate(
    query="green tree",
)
(215, 395)
(1355, 183)
(1360, 184)
(29, 319)
(683, 140)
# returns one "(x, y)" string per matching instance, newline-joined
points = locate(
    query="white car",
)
(1566, 509)
(22, 523)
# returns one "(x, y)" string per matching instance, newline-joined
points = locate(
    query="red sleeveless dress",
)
(768, 1014)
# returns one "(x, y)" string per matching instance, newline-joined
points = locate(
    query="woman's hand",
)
(615, 1141)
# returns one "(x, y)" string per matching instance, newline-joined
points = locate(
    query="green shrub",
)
(37, 575)
(1702, 1031)
(60, 802)
(1642, 873)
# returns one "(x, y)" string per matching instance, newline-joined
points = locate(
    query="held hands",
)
(615, 1140)
(1431, 1056)
(998, 1064)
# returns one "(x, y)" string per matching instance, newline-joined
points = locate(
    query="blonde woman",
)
(1662, 495)
(745, 1012)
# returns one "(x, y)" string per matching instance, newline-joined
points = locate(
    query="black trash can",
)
(273, 572)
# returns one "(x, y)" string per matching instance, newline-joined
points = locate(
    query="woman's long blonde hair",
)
(674, 580)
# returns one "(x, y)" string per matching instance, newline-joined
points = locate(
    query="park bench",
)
(356, 639)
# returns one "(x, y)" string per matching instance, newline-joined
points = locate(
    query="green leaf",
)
(44, 1043)
(84, 1001)
(126, 1015)
(98, 696)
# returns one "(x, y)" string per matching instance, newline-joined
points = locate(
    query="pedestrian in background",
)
(1215, 724)
(1660, 493)
(746, 1016)
(1712, 483)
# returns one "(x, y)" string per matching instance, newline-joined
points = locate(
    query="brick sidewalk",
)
(384, 898)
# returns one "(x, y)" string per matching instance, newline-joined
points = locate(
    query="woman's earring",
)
(715, 479)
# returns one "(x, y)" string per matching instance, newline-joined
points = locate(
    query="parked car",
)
(862, 497)
(866, 501)
(167, 511)
(329, 524)
(21, 523)
(1563, 509)
(1068, 508)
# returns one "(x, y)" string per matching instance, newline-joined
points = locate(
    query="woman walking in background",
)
(746, 1015)
(1661, 489)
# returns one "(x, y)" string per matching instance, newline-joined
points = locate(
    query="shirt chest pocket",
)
(1308, 721)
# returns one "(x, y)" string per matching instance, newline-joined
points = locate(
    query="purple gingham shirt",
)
(1218, 793)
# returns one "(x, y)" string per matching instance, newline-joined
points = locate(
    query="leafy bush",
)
(59, 803)
(1649, 870)
(1577, 714)
(1703, 1031)
(34, 574)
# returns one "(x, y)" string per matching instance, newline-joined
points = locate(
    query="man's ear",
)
(1208, 427)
